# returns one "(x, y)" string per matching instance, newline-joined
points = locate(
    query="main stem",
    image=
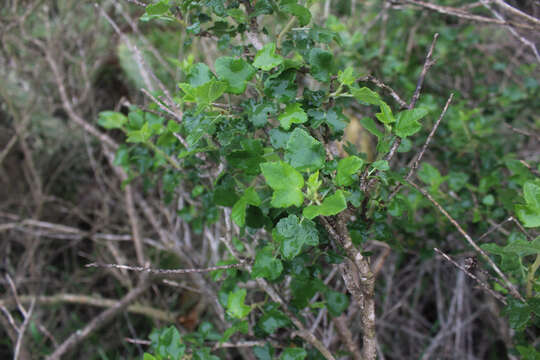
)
(359, 280)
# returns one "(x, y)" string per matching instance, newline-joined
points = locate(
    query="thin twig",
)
(58, 77)
(166, 271)
(471, 242)
(99, 321)
(424, 148)
(383, 86)
(22, 329)
(472, 276)
(522, 132)
(428, 63)
(465, 15)
(513, 31)
(134, 223)
(80, 299)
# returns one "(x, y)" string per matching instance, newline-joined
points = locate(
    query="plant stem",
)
(285, 30)
(530, 275)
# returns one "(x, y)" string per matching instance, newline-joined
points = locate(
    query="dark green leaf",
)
(238, 212)
(263, 352)
(293, 353)
(336, 302)
(282, 87)
(258, 113)
(273, 320)
(266, 265)
(322, 64)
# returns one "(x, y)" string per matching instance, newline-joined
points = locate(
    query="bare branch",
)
(482, 284)
(471, 242)
(99, 321)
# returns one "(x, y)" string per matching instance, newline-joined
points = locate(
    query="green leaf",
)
(347, 167)
(210, 91)
(235, 304)
(457, 180)
(292, 7)
(293, 353)
(430, 175)
(304, 152)
(266, 265)
(322, 64)
(286, 182)
(529, 214)
(279, 138)
(407, 122)
(159, 8)
(112, 119)
(531, 193)
(258, 113)
(331, 205)
(368, 96)
(313, 185)
(263, 7)
(200, 74)
(140, 136)
(263, 352)
(282, 88)
(522, 247)
(518, 314)
(166, 343)
(385, 116)
(293, 114)
(369, 125)
(381, 165)
(347, 76)
(282, 198)
(238, 15)
(200, 126)
(203, 354)
(336, 302)
(266, 58)
(236, 72)
(238, 212)
(336, 120)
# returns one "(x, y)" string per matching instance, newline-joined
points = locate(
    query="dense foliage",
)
(319, 164)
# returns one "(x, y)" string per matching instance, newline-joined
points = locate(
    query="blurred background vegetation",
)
(63, 203)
